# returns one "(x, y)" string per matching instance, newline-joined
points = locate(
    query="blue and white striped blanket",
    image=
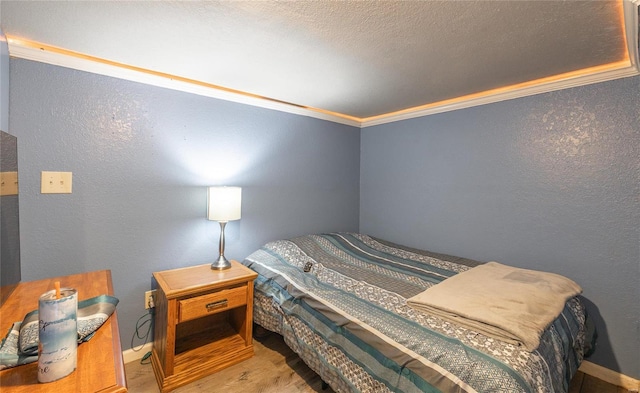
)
(340, 302)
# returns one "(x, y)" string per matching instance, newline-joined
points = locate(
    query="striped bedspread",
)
(340, 302)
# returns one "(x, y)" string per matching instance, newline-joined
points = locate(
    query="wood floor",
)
(273, 369)
(276, 369)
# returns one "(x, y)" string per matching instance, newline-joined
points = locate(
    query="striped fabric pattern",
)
(340, 302)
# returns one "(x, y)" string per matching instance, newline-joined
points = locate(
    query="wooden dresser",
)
(100, 366)
(203, 322)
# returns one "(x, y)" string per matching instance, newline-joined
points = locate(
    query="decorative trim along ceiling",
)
(43, 53)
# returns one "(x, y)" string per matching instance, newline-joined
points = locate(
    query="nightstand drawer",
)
(211, 303)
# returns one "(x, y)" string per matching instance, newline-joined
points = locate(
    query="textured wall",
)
(141, 157)
(9, 220)
(548, 182)
(4, 83)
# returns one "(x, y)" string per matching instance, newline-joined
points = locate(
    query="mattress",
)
(339, 300)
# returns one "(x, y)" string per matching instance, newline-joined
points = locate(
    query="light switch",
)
(55, 183)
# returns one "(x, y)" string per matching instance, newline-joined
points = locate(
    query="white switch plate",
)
(55, 182)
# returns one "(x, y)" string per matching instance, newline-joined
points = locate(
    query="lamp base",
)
(221, 263)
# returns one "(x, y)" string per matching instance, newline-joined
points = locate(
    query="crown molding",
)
(61, 57)
(43, 53)
(623, 69)
(537, 87)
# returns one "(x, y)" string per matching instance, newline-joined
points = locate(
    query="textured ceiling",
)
(359, 59)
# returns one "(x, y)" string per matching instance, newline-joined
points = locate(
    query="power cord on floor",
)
(144, 325)
(146, 359)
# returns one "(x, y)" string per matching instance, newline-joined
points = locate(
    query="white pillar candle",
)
(57, 334)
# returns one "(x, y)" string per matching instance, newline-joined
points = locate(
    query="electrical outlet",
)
(150, 299)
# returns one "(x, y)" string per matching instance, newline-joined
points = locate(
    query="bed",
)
(340, 302)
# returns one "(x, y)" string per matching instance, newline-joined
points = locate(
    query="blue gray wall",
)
(141, 159)
(4, 83)
(549, 182)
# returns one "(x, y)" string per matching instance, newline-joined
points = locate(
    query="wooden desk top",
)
(100, 365)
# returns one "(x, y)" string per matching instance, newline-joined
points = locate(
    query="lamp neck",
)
(221, 247)
(222, 262)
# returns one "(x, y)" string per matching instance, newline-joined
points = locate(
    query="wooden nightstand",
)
(203, 321)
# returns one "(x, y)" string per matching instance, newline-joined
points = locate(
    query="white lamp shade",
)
(224, 203)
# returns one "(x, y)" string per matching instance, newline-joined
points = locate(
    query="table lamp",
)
(223, 205)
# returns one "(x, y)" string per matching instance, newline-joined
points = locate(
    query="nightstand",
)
(203, 321)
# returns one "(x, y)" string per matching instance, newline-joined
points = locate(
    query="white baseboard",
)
(610, 376)
(131, 355)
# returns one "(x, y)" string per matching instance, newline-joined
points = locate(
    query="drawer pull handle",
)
(215, 305)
